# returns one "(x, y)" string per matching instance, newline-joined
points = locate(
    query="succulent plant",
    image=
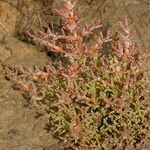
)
(97, 101)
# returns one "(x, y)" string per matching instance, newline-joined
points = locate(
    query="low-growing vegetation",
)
(93, 96)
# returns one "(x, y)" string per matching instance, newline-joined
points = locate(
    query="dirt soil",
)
(19, 128)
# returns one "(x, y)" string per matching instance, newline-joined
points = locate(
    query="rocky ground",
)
(19, 129)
